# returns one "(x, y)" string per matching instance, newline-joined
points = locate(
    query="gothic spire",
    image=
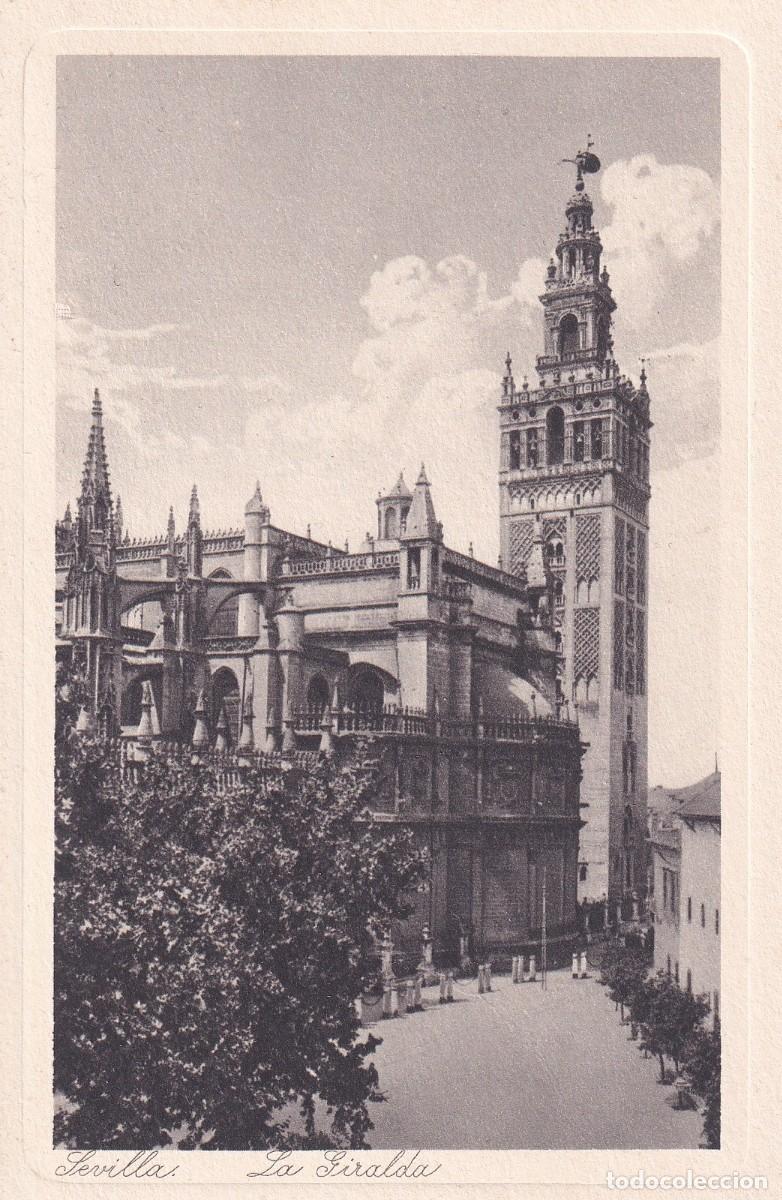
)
(95, 496)
(194, 516)
(194, 537)
(118, 519)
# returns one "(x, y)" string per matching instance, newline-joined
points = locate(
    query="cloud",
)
(261, 384)
(425, 321)
(429, 364)
(90, 356)
(684, 383)
(425, 378)
(662, 216)
(343, 458)
(528, 286)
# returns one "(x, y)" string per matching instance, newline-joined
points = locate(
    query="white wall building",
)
(686, 872)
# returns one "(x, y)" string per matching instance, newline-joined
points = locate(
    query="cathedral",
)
(505, 704)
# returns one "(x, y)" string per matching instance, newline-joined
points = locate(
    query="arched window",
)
(555, 435)
(225, 697)
(571, 262)
(515, 450)
(225, 622)
(559, 593)
(602, 340)
(405, 511)
(579, 442)
(131, 703)
(317, 694)
(390, 530)
(367, 691)
(568, 335)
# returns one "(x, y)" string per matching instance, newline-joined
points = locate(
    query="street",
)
(522, 1068)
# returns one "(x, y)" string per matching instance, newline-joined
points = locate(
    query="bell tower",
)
(574, 471)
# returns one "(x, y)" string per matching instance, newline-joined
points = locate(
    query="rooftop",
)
(699, 800)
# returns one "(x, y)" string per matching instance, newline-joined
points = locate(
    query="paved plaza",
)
(522, 1068)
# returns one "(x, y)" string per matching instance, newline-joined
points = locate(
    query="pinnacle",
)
(255, 505)
(421, 519)
(400, 488)
(95, 477)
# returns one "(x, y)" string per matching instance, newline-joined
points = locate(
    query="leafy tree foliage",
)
(669, 1017)
(209, 944)
(702, 1069)
(625, 977)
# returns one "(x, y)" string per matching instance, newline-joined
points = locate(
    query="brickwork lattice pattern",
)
(553, 527)
(522, 534)
(619, 644)
(641, 567)
(586, 635)
(630, 561)
(588, 546)
(640, 653)
(619, 557)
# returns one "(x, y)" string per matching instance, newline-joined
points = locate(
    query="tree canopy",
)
(209, 947)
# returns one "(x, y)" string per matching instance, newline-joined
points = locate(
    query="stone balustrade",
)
(416, 722)
(340, 564)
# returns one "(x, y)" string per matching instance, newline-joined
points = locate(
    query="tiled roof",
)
(703, 799)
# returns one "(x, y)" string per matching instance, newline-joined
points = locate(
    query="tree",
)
(670, 1016)
(209, 946)
(626, 976)
(612, 954)
(702, 1068)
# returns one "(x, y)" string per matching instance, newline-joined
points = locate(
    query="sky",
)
(309, 270)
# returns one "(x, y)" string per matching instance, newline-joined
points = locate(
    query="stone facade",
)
(574, 472)
(258, 642)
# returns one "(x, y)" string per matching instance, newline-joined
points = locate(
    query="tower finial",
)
(585, 162)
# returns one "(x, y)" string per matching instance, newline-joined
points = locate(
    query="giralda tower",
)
(574, 472)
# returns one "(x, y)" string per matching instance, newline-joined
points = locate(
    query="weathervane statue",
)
(586, 163)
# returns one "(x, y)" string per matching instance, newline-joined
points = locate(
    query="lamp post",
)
(543, 935)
